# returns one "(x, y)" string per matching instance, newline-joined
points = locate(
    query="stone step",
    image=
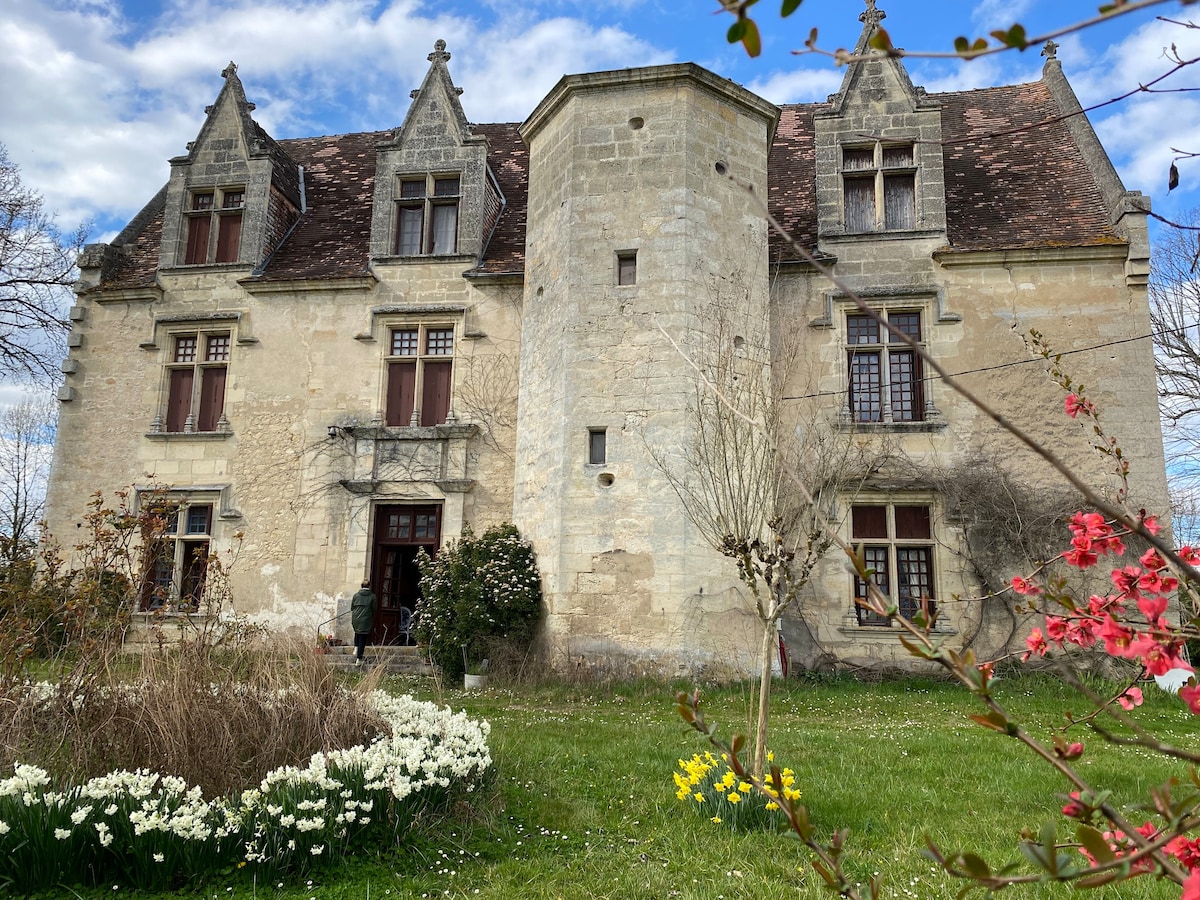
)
(393, 660)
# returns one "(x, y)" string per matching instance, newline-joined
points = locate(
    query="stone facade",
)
(448, 324)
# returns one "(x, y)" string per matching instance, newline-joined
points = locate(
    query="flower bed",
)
(711, 787)
(147, 830)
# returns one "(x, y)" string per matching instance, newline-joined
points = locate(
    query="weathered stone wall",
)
(304, 358)
(977, 309)
(629, 162)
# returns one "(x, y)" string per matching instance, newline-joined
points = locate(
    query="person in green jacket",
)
(362, 617)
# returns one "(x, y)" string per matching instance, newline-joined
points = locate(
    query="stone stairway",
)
(394, 660)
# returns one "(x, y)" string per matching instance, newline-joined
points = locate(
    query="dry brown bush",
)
(218, 717)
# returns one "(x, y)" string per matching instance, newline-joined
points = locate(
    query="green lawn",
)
(583, 804)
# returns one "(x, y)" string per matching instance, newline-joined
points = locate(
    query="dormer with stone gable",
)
(878, 150)
(235, 195)
(435, 197)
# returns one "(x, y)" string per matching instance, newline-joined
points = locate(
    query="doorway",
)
(400, 531)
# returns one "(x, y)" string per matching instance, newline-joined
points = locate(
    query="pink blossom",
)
(1191, 887)
(1080, 559)
(1074, 809)
(1023, 586)
(1056, 629)
(1186, 850)
(1074, 405)
(1083, 632)
(1191, 696)
(1036, 643)
(1158, 656)
(1126, 580)
(1152, 608)
(1130, 699)
(1116, 637)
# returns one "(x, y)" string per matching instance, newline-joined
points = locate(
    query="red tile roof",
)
(1014, 178)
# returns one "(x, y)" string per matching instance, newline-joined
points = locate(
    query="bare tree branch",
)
(37, 268)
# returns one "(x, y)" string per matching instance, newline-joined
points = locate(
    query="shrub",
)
(478, 595)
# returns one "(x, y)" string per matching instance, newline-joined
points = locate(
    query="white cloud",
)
(799, 86)
(93, 111)
(990, 14)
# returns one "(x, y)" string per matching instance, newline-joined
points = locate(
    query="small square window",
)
(627, 267)
(185, 348)
(597, 446)
(412, 190)
(439, 341)
(217, 348)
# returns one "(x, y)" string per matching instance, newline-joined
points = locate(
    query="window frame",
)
(898, 372)
(203, 378)
(209, 233)
(597, 446)
(428, 205)
(889, 549)
(626, 268)
(175, 558)
(881, 180)
(409, 376)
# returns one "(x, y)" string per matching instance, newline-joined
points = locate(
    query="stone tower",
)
(646, 207)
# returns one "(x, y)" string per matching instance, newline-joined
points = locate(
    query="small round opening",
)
(636, 122)
(541, 291)
(720, 167)
(606, 479)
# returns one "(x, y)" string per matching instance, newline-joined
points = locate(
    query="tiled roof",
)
(1008, 185)
(792, 175)
(332, 239)
(1014, 176)
(508, 158)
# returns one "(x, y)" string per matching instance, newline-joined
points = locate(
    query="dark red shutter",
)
(197, 240)
(435, 393)
(401, 392)
(212, 398)
(912, 522)
(179, 399)
(229, 238)
(869, 522)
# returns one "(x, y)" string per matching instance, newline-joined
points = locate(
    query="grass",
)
(582, 804)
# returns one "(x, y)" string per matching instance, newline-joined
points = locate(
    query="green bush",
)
(480, 593)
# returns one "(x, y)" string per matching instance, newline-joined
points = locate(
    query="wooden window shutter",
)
(197, 240)
(401, 392)
(869, 521)
(435, 393)
(860, 204)
(229, 237)
(912, 522)
(212, 398)
(179, 399)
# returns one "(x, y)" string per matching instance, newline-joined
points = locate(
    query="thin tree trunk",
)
(764, 699)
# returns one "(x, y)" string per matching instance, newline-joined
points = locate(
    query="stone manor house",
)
(331, 352)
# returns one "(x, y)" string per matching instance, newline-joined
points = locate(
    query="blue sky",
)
(97, 95)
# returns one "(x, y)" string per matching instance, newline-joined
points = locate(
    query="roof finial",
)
(439, 52)
(230, 69)
(1050, 51)
(872, 16)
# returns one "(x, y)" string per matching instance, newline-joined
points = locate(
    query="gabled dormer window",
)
(879, 187)
(214, 225)
(427, 215)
